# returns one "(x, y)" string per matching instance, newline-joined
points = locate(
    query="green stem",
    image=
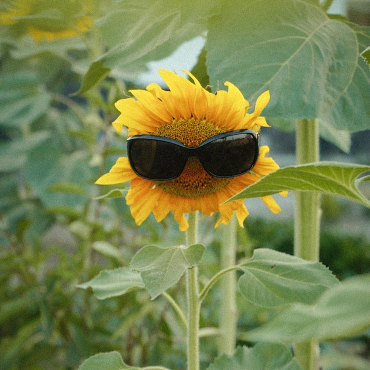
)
(307, 204)
(228, 310)
(192, 289)
(307, 224)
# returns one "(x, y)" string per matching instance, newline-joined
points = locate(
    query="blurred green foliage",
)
(54, 144)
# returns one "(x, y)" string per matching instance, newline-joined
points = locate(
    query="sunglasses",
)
(225, 155)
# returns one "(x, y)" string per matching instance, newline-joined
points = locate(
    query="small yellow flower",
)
(48, 20)
(189, 114)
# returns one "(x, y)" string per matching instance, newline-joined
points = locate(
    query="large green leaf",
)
(264, 356)
(137, 33)
(351, 109)
(309, 62)
(325, 177)
(112, 283)
(160, 268)
(342, 311)
(273, 279)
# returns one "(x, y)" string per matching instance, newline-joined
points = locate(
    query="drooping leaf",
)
(107, 249)
(273, 279)
(309, 62)
(94, 75)
(264, 356)
(326, 177)
(160, 268)
(115, 193)
(112, 283)
(341, 312)
(366, 55)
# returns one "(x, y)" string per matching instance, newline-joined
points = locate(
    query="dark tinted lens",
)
(231, 155)
(156, 159)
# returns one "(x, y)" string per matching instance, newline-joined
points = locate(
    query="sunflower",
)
(48, 19)
(189, 114)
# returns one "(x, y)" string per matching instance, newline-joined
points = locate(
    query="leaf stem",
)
(214, 279)
(307, 224)
(192, 289)
(177, 308)
(228, 310)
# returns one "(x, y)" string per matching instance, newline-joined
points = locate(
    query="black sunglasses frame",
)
(192, 151)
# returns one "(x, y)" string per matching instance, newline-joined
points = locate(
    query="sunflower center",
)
(194, 182)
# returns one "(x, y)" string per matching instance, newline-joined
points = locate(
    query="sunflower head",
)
(189, 114)
(47, 19)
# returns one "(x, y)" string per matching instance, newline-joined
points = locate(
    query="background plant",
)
(55, 234)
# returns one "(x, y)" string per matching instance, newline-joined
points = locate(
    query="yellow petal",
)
(142, 199)
(181, 90)
(181, 220)
(261, 103)
(241, 214)
(119, 173)
(162, 208)
(226, 211)
(133, 116)
(265, 165)
(271, 204)
(236, 106)
(153, 105)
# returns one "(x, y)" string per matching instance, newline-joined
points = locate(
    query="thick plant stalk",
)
(192, 290)
(307, 225)
(228, 311)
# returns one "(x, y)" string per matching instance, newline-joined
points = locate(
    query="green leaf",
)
(160, 268)
(351, 110)
(26, 47)
(106, 361)
(21, 98)
(273, 279)
(13, 155)
(96, 73)
(324, 177)
(113, 283)
(309, 62)
(263, 356)
(366, 55)
(341, 312)
(55, 167)
(107, 249)
(111, 361)
(137, 33)
(340, 138)
(67, 187)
